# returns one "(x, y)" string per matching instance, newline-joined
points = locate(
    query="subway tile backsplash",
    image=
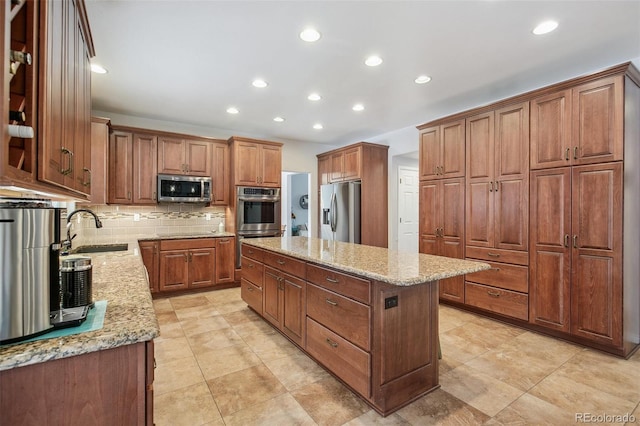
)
(121, 221)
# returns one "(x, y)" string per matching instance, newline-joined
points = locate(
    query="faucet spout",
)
(66, 244)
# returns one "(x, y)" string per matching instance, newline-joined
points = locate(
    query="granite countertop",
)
(174, 236)
(377, 263)
(120, 279)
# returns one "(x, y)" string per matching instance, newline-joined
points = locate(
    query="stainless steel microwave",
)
(184, 189)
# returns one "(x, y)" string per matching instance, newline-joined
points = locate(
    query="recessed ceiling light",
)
(310, 35)
(232, 110)
(278, 119)
(358, 107)
(98, 69)
(318, 126)
(422, 79)
(314, 97)
(545, 27)
(373, 61)
(258, 82)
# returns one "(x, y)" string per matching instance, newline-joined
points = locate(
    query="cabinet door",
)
(550, 266)
(174, 270)
(120, 168)
(271, 296)
(225, 260)
(337, 166)
(149, 254)
(596, 289)
(271, 166)
(352, 164)
(198, 158)
(83, 112)
(202, 267)
(598, 121)
(293, 312)
(452, 149)
(171, 156)
(511, 187)
(145, 169)
(220, 174)
(324, 170)
(430, 153)
(551, 130)
(99, 160)
(452, 234)
(429, 217)
(246, 163)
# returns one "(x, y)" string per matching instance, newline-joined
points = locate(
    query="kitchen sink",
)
(101, 248)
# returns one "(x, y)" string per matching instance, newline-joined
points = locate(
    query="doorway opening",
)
(295, 203)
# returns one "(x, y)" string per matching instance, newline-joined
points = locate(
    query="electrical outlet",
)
(391, 302)
(207, 216)
(136, 217)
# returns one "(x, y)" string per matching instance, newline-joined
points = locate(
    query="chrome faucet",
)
(66, 244)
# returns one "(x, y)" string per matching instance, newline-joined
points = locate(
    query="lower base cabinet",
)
(378, 339)
(108, 387)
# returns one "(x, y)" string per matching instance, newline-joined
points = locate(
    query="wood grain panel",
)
(503, 275)
(453, 149)
(551, 130)
(225, 260)
(293, 321)
(202, 267)
(145, 169)
(252, 270)
(286, 264)
(344, 284)
(171, 156)
(120, 167)
(497, 300)
(198, 157)
(174, 270)
(251, 294)
(480, 147)
(188, 243)
(429, 152)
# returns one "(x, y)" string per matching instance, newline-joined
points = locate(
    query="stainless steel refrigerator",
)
(340, 212)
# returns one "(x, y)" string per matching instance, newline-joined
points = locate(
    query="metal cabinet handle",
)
(190, 257)
(497, 186)
(281, 262)
(129, 195)
(493, 293)
(249, 288)
(491, 186)
(331, 280)
(332, 343)
(566, 240)
(575, 152)
(186, 258)
(566, 154)
(250, 265)
(495, 269)
(69, 169)
(575, 241)
(331, 302)
(87, 182)
(154, 196)
(493, 254)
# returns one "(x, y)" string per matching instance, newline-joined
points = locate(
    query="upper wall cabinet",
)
(184, 157)
(133, 168)
(578, 126)
(255, 162)
(442, 150)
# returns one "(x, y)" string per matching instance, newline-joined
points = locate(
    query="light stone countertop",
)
(120, 279)
(377, 263)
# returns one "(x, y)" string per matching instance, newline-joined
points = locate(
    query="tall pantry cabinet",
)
(551, 202)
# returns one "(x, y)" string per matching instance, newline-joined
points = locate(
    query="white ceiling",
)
(187, 61)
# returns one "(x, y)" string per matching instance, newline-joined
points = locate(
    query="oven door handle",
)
(267, 199)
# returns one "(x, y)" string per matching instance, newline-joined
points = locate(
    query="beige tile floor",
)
(218, 363)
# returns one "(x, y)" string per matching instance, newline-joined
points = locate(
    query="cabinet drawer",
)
(500, 301)
(346, 317)
(344, 284)
(503, 275)
(345, 360)
(252, 252)
(252, 270)
(252, 295)
(498, 255)
(187, 244)
(285, 264)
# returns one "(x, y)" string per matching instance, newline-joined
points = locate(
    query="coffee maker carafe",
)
(29, 267)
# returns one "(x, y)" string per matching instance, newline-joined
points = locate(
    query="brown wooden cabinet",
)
(177, 156)
(132, 168)
(187, 263)
(150, 253)
(107, 387)
(99, 159)
(220, 174)
(348, 164)
(442, 151)
(442, 227)
(225, 260)
(255, 162)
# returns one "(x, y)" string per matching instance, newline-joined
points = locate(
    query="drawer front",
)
(347, 285)
(503, 275)
(345, 360)
(252, 252)
(285, 264)
(252, 295)
(187, 244)
(252, 270)
(500, 301)
(345, 317)
(498, 255)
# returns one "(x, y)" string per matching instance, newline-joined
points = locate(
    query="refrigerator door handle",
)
(333, 219)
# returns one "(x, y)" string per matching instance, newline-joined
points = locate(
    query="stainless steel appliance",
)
(29, 256)
(340, 212)
(76, 281)
(184, 189)
(257, 215)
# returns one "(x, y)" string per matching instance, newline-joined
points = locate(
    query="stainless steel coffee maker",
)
(29, 267)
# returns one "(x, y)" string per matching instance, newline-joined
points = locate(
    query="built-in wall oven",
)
(257, 214)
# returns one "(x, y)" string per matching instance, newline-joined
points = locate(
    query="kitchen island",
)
(369, 315)
(98, 377)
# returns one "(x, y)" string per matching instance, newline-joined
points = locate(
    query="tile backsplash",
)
(121, 221)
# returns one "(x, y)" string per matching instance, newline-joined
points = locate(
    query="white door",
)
(408, 187)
